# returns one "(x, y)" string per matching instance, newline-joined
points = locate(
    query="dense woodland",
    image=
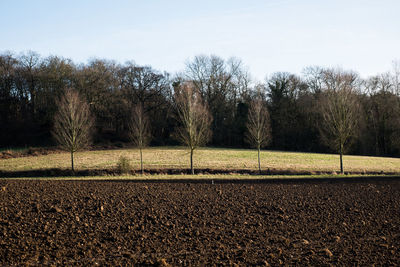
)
(30, 86)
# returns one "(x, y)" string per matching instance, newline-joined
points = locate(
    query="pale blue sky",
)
(268, 35)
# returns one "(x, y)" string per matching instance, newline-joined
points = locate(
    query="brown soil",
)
(119, 223)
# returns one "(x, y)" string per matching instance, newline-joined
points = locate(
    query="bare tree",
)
(139, 130)
(194, 117)
(28, 70)
(396, 76)
(339, 111)
(222, 85)
(72, 123)
(313, 77)
(258, 126)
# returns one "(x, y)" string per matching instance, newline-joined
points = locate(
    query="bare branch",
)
(339, 110)
(258, 126)
(139, 130)
(72, 123)
(194, 116)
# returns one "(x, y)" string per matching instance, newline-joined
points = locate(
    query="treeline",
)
(30, 86)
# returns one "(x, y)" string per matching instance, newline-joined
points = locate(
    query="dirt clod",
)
(163, 263)
(327, 252)
(55, 209)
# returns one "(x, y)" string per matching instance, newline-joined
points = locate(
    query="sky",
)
(268, 36)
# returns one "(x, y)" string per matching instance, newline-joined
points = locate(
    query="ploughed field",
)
(103, 222)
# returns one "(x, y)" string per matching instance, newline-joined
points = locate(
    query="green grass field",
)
(212, 158)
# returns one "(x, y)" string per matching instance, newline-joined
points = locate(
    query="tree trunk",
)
(72, 161)
(259, 164)
(191, 161)
(33, 98)
(341, 158)
(141, 161)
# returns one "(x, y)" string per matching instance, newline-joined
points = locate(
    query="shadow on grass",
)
(56, 172)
